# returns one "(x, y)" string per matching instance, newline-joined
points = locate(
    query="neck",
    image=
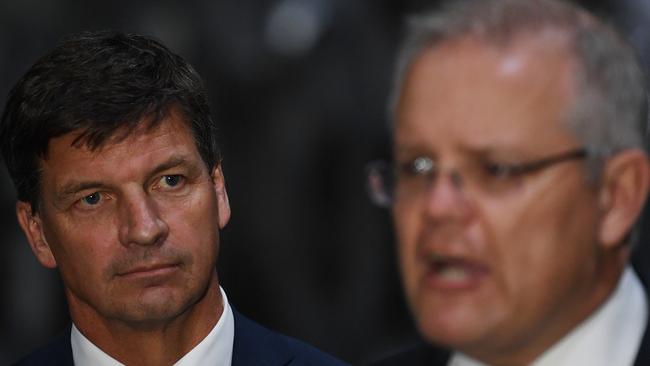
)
(166, 340)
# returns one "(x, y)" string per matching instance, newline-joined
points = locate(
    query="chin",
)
(450, 325)
(159, 306)
(443, 334)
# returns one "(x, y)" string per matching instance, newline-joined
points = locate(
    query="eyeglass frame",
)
(382, 193)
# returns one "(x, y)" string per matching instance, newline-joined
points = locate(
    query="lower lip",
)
(472, 280)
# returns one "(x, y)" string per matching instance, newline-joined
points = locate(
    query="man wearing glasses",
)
(519, 173)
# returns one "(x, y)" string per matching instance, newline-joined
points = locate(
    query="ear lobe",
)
(223, 204)
(626, 179)
(33, 228)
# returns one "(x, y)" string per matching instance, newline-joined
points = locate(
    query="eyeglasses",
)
(389, 182)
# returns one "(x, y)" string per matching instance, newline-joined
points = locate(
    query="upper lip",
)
(439, 262)
(146, 268)
(434, 255)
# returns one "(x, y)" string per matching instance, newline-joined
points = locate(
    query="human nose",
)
(141, 223)
(446, 197)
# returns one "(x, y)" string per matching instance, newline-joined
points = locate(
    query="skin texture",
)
(133, 229)
(536, 259)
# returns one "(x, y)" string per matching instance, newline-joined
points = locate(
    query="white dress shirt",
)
(610, 336)
(214, 349)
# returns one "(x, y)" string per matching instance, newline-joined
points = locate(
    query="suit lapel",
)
(57, 353)
(65, 349)
(255, 345)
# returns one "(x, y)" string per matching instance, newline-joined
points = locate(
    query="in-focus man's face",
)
(485, 269)
(133, 226)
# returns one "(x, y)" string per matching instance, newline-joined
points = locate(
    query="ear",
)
(222, 196)
(33, 228)
(625, 183)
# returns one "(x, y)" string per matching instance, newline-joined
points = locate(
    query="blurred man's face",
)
(494, 269)
(133, 226)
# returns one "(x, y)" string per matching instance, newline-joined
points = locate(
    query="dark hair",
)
(102, 84)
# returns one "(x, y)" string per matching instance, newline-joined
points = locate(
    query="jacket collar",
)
(256, 345)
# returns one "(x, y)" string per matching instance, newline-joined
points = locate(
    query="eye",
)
(499, 170)
(418, 166)
(171, 181)
(92, 200)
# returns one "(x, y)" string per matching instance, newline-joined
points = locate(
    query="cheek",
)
(193, 226)
(545, 243)
(82, 254)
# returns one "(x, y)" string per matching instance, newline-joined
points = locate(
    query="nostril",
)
(150, 233)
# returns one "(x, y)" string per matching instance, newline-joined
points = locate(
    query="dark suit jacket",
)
(429, 355)
(254, 345)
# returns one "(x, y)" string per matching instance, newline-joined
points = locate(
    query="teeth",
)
(453, 273)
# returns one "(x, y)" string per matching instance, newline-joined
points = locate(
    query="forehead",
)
(140, 150)
(478, 95)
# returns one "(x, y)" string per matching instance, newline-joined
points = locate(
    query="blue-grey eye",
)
(92, 199)
(172, 180)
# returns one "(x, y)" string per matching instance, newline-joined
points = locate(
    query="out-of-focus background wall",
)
(299, 90)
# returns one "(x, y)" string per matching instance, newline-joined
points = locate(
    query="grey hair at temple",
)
(609, 112)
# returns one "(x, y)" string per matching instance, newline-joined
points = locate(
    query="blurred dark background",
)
(299, 90)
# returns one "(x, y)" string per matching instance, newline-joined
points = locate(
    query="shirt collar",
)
(610, 336)
(214, 349)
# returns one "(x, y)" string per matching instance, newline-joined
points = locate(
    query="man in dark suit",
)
(519, 172)
(109, 141)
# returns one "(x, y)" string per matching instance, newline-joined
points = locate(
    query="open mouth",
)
(451, 273)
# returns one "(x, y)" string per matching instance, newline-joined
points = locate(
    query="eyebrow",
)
(74, 187)
(173, 162)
